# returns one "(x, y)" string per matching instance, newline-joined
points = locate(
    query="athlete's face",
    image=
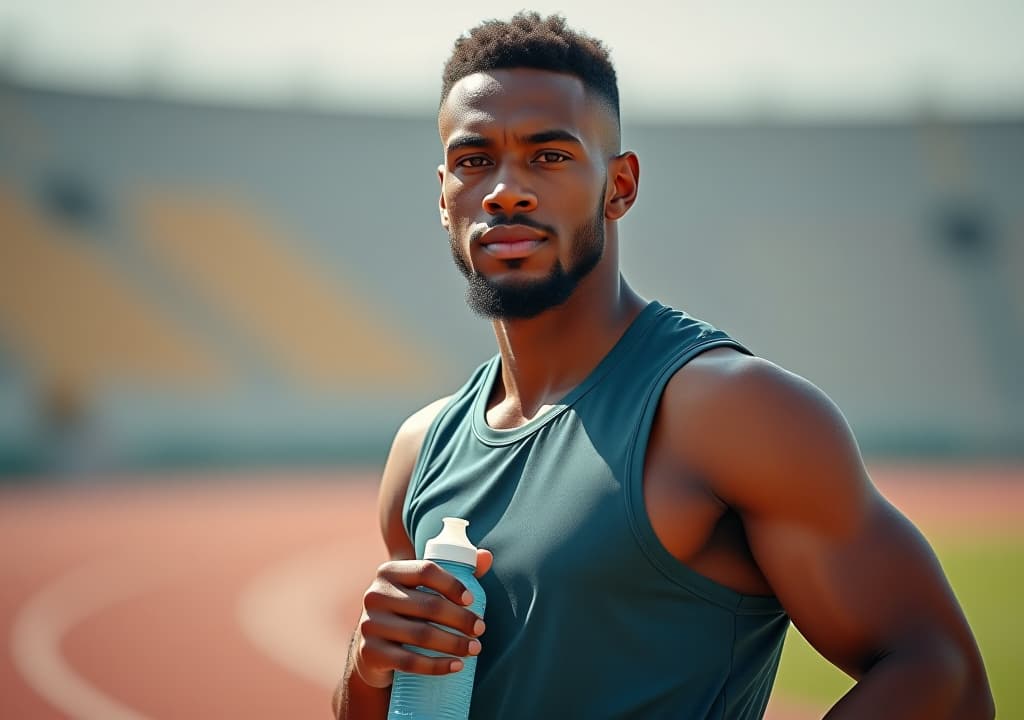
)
(523, 186)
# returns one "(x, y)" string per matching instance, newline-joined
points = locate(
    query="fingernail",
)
(456, 665)
(478, 627)
(474, 647)
(467, 598)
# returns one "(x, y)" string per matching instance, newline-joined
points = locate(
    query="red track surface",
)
(209, 597)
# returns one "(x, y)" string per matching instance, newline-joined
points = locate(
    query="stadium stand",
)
(227, 284)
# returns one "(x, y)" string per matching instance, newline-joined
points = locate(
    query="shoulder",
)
(413, 430)
(405, 449)
(765, 439)
(724, 380)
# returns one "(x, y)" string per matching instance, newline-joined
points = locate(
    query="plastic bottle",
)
(442, 697)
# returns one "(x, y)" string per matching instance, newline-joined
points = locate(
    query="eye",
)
(473, 161)
(550, 157)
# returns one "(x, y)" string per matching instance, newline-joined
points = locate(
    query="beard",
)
(529, 298)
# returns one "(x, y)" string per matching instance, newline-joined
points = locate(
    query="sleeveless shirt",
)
(588, 614)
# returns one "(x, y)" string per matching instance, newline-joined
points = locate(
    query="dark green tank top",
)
(588, 615)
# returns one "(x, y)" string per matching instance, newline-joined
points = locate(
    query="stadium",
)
(215, 313)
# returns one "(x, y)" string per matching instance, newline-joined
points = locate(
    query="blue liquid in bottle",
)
(442, 697)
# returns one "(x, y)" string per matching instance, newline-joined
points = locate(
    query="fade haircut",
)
(530, 41)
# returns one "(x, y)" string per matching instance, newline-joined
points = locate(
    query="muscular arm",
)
(354, 697)
(856, 577)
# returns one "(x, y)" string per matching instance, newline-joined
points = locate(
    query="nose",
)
(509, 198)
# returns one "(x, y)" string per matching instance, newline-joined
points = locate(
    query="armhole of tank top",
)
(428, 441)
(417, 469)
(659, 556)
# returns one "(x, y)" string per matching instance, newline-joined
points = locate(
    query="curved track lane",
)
(231, 596)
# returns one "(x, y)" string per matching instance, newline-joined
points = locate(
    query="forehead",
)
(517, 98)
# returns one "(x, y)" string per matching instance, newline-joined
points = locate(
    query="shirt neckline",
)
(492, 436)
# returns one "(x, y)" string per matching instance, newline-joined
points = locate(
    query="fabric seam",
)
(416, 478)
(634, 478)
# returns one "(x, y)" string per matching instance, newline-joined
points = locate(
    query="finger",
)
(404, 631)
(380, 655)
(416, 573)
(484, 560)
(391, 600)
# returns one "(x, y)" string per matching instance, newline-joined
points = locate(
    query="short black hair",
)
(530, 41)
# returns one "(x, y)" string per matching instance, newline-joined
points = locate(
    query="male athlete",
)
(656, 502)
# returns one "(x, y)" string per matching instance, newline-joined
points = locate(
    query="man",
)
(656, 502)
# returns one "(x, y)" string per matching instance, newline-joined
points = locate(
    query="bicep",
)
(856, 577)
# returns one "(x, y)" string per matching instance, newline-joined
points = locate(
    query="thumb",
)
(484, 560)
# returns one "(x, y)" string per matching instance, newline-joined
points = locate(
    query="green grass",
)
(988, 578)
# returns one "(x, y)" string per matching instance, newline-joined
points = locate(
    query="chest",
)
(544, 506)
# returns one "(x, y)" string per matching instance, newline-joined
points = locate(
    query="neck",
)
(544, 357)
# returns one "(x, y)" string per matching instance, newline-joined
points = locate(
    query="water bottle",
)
(442, 697)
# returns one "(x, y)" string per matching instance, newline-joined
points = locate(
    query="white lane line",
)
(289, 610)
(48, 615)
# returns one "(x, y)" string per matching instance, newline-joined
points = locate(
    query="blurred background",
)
(220, 252)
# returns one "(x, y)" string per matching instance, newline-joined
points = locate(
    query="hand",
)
(396, 613)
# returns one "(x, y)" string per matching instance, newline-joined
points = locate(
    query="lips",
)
(511, 241)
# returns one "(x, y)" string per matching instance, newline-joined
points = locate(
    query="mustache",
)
(499, 220)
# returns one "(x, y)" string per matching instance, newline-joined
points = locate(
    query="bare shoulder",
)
(725, 383)
(774, 447)
(765, 438)
(726, 373)
(405, 448)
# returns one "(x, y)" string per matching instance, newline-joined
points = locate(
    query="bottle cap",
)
(451, 543)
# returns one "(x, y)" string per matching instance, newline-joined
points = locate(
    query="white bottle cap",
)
(451, 543)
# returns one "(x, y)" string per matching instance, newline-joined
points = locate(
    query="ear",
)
(624, 181)
(441, 204)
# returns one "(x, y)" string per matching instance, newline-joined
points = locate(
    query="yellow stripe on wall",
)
(74, 319)
(313, 328)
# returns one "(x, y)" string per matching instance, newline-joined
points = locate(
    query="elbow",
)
(974, 701)
(988, 709)
(956, 673)
(978, 703)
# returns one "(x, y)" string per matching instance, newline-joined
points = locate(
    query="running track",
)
(232, 596)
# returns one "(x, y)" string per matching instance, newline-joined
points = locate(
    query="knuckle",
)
(373, 597)
(435, 605)
(459, 645)
(366, 627)
(421, 634)
(366, 635)
(411, 662)
(450, 643)
(435, 572)
(388, 568)
(408, 573)
(366, 655)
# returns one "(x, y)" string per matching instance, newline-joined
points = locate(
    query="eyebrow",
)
(468, 141)
(538, 138)
(546, 136)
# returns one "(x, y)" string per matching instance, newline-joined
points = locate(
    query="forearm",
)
(354, 699)
(925, 685)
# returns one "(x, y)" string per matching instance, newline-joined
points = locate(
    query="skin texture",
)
(752, 476)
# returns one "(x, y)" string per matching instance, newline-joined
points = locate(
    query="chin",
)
(517, 278)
